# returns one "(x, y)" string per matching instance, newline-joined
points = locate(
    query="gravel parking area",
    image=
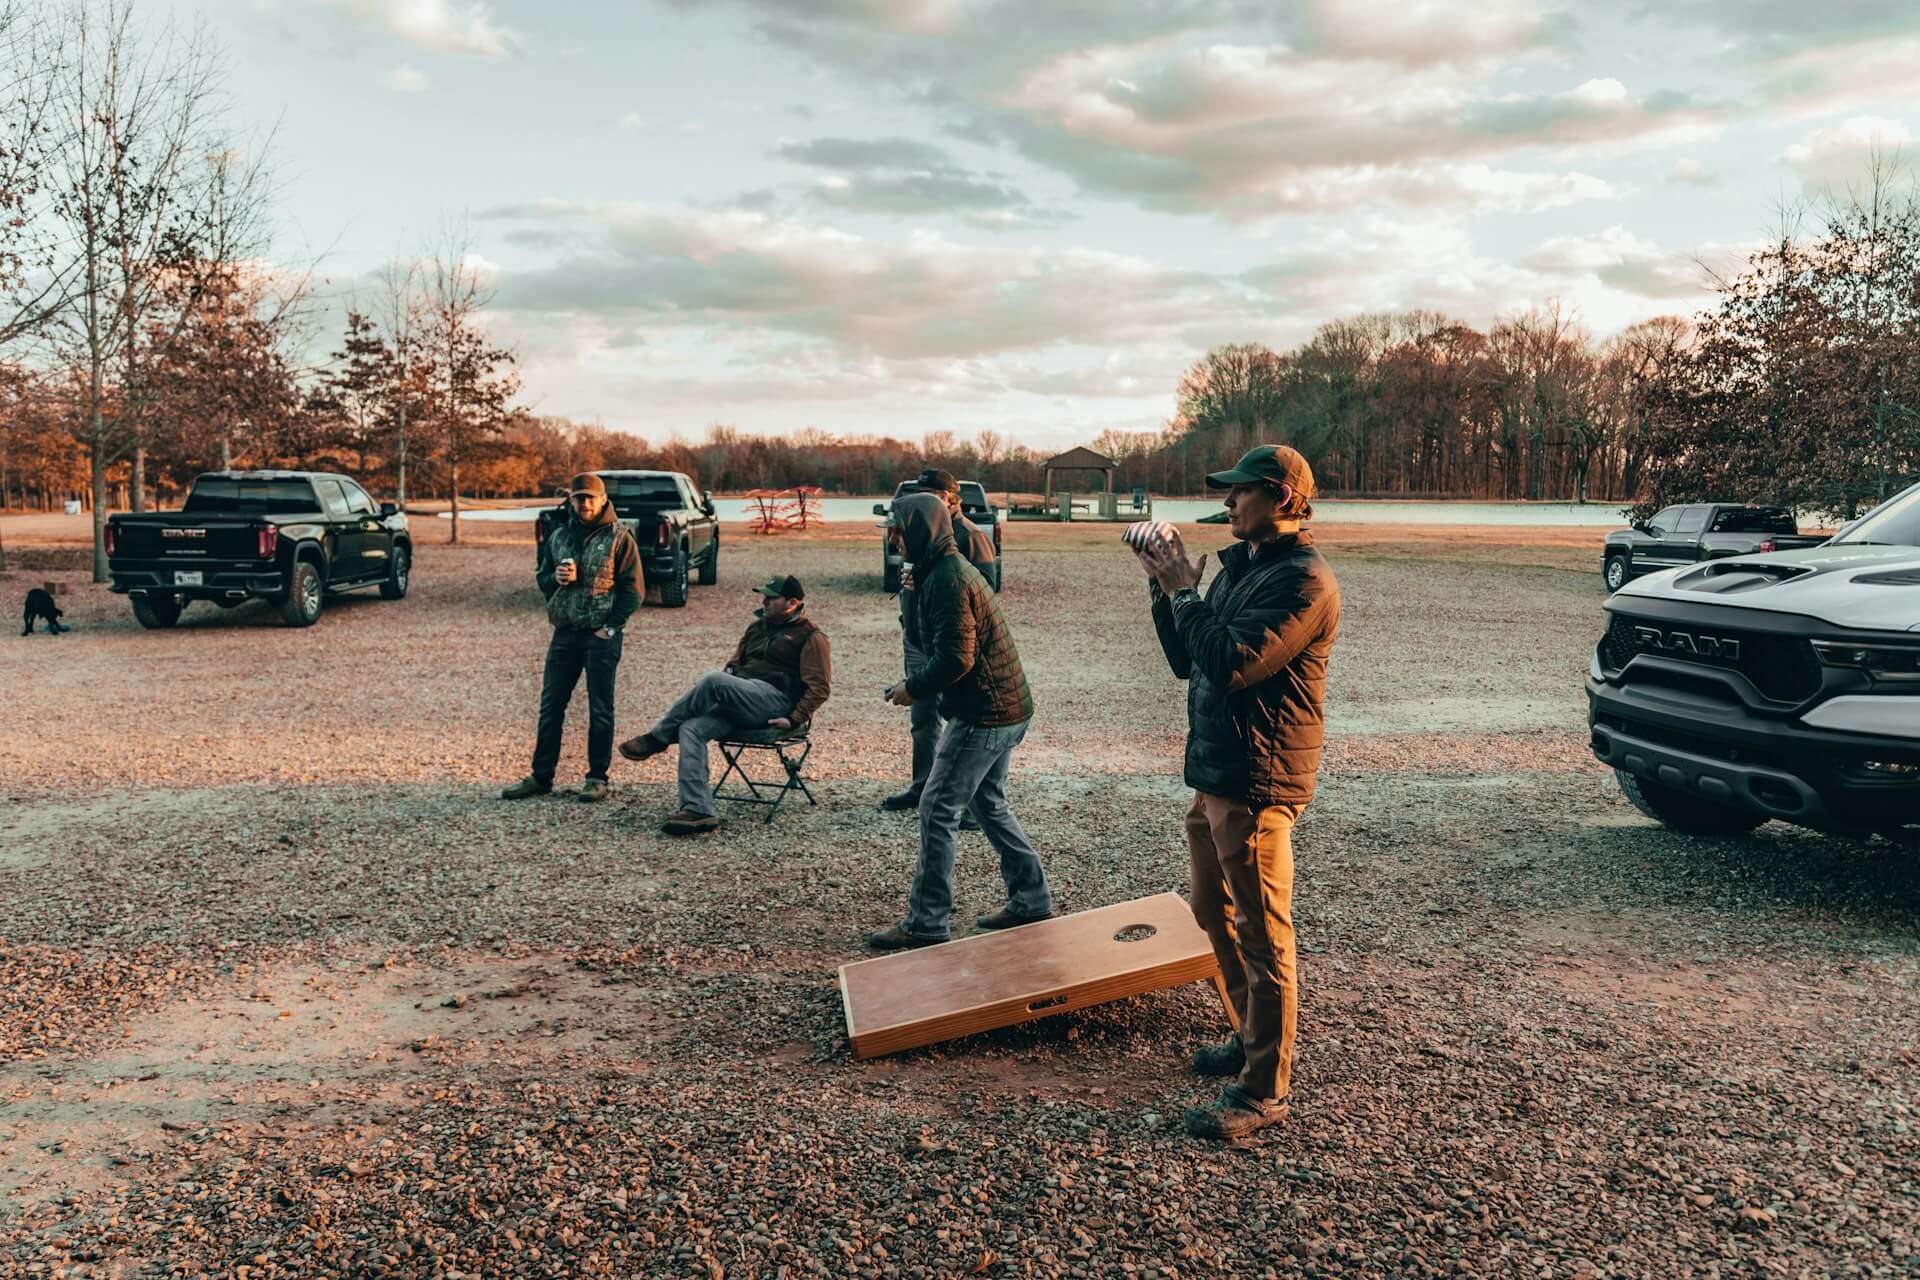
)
(286, 991)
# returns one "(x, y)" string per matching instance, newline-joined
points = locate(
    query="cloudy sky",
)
(893, 216)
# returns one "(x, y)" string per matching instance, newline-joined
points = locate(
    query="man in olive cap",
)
(1254, 654)
(924, 722)
(780, 674)
(589, 571)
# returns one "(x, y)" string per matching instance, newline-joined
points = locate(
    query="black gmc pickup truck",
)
(1771, 686)
(673, 522)
(1698, 531)
(290, 537)
(975, 505)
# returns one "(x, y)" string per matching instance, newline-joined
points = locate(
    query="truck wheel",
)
(1690, 814)
(889, 577)
(395, 587)
(301, 608)
(710, 567)
(1615, 572)
(673, 592)
(157, 613)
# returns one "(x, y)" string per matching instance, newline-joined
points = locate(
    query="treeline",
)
(144, 337)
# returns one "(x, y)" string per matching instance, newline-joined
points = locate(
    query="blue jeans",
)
(970, 772)
(718, 704)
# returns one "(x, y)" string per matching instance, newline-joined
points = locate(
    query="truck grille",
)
(1783, 668)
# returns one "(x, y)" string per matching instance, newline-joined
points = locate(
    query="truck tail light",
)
(269, 541)
(1768, 545)
(665, 536)
(110, 539)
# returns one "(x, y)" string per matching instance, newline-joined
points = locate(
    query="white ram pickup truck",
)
(1779, 686)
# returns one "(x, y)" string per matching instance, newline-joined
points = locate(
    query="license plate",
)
(182, 578)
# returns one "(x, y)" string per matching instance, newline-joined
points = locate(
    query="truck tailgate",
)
(188, 539)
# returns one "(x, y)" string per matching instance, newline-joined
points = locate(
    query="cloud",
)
(441, 26)
(905, 176)
(1872, 73)
(1842, 155)
(1692, 173)
(405, 78)
(1249, 131)
(1424, 32)
(920, 297)
(1623, 261)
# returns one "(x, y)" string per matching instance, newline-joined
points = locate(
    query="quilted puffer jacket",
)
(1254, 655)
(955, 621)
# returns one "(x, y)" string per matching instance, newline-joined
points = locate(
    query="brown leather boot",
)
(642, 747)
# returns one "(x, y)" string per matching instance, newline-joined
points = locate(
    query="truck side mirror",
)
(880, 509)
(708, 501)
(389, 509)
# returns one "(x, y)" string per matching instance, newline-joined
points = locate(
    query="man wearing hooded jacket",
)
(971, 666)
(1254, 654)
(924, 719)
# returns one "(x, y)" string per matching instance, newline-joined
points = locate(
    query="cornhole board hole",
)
(990, 980)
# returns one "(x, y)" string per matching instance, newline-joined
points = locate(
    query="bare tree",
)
(134, 206)
(31, 286)
(401, 311)
(468, 381)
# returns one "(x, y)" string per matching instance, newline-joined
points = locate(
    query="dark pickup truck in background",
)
(290, 537)
(1692, 532)
(671, 519)
(975, 505)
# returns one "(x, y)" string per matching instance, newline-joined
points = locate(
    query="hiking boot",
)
(688, 823)
(594, 790)
(901, 803)
(642, 747)
(1234, 1114)
(527, 786)
(898, 939)
(1008, 918)
(1220, 1059)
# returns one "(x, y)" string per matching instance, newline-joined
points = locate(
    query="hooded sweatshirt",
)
(954, 619)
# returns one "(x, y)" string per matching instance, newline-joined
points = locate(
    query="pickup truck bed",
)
(1690, 533)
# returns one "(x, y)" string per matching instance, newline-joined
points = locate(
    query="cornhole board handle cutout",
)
(993, 980)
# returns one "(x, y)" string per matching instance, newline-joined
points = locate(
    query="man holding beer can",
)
(589, 571)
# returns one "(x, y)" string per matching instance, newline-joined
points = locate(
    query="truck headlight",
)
(1882, 662)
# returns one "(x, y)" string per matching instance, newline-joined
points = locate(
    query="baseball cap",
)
(587, 482)
(1270, 464)
(934, 480)
(788, 586)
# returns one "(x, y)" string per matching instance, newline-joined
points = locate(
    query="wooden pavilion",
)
(1100, 504)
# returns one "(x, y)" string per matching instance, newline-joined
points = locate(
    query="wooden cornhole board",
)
(990, 980)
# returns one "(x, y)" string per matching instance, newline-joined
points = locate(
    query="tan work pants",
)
(1243, 898)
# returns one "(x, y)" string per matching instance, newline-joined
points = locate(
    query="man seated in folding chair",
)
(779, 676)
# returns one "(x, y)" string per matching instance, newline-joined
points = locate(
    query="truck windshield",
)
(227, 496)
(1895, 522)
(1754, 520)
(973, 495)
(632, 491)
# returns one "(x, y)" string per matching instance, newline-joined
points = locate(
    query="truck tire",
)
(157, 613)
(889, 576)
(673, 592)
(398, 569)
(710, 567)
(305, 590)
(1614, 572)
(993, 579)
(1692, 815)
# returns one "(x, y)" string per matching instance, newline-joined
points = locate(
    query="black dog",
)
(41, 605)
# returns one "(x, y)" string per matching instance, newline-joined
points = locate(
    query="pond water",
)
(1182, 510)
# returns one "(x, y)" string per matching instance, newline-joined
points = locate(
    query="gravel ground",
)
(286, 991)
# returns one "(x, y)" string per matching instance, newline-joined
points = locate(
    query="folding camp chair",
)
(790, 747)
